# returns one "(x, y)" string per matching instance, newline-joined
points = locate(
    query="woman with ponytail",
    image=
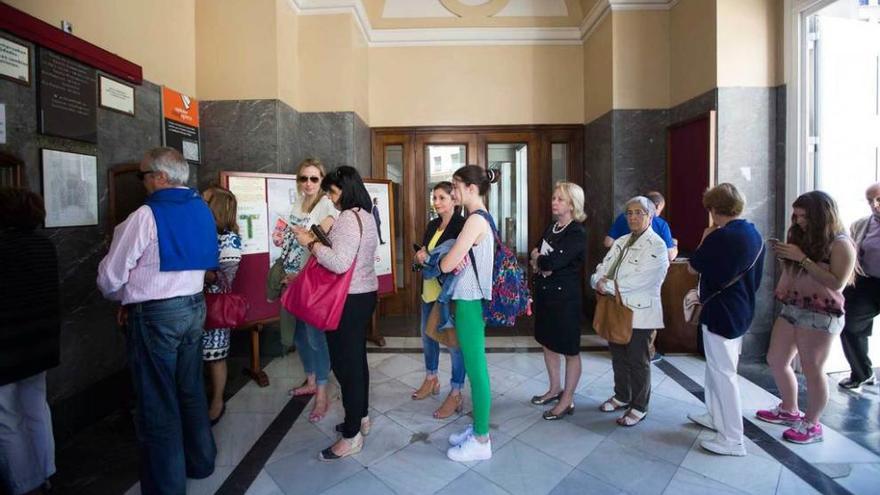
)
(472, 258)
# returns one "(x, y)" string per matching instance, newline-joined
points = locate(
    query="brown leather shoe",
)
(429, 387)
(450, 406)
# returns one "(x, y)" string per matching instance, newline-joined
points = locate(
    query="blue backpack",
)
(510, 290)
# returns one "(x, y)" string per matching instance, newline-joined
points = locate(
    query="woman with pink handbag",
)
(353, 241)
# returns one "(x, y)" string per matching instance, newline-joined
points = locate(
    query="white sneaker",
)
(471, 450)
(704, 420)
(722, 447)
(456, 439)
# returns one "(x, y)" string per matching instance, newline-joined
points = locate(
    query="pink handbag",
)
(317, 295)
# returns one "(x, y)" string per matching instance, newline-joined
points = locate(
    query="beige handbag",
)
(613, 321)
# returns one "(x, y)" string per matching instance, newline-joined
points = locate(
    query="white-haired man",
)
(156, 268)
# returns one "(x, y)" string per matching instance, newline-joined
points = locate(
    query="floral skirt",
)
(215, 344)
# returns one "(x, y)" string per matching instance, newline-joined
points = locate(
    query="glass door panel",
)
(394, 173)
(441, 161)
(559, 160)
(508, 198)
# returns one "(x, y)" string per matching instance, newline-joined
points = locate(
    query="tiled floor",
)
(584, 454)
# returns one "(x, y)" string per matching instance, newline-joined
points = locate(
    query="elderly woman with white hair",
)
(557, 262)
(636, 265)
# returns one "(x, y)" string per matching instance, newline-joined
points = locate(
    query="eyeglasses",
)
(635, 213)
(302, 179)
(142, 174)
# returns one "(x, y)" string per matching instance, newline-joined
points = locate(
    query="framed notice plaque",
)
(70, 189)
(15, 61)
(115, 95)
(67, 95)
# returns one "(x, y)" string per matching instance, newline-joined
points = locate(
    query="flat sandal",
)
(632, 417)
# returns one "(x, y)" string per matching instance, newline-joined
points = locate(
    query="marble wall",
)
(270, 136)
(625, 155)
(92, 347)
(747, 157)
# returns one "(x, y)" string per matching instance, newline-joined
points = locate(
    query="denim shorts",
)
(804, 318)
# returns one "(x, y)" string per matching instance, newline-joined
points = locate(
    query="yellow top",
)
(431, 287)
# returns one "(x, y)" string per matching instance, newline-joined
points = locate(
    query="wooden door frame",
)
(539, 139)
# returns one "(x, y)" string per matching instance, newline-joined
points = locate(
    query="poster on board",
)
(70, 189)
(281, 195)
(66, 97)
(250, 192)
(381, 196)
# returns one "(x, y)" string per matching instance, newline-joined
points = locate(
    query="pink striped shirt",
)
(130, 271)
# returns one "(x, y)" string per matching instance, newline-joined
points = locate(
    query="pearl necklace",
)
(553, 229)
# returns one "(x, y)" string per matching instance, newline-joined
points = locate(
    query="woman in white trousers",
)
(730, 262)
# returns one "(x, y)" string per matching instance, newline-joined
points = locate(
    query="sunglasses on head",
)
(313, 179)
(142, 174)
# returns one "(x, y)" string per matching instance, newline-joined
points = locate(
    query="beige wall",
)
(333, 63)
(236, 47)
(749, 35)
(598, 72)
(457, 85)
(692, 49)
(641, 59)
(157, 35)
(287, 54)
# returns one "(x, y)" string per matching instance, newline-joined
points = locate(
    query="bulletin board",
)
(263, 199)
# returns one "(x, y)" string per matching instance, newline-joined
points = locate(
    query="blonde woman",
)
(311, 207)
(557, 262)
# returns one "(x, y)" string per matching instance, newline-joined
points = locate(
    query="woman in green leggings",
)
(473, 284)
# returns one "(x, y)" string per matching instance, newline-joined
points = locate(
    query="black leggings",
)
(348, 358)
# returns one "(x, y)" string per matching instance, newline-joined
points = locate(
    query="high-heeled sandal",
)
(632, 417)
(315, 417)
(431, 386)
(355, 445)
(452, 405)
(549, 416)
(539, 400)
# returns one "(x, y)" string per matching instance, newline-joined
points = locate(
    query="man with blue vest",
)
(156, 268)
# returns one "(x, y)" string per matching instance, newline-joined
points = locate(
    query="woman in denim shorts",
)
(818, 261)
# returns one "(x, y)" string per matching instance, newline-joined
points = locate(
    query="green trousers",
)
(471, 330)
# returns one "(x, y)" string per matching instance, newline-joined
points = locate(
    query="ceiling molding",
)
(474, 36)
(601, 9)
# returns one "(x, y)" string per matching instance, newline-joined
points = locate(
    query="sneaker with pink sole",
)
(804, 432)
(779, 417)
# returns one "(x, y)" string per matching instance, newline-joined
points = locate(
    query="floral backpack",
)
(510, 290)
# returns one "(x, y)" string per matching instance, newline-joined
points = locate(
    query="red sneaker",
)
(779, 417)
(804, 432)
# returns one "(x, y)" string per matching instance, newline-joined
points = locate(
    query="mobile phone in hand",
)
(416, 247)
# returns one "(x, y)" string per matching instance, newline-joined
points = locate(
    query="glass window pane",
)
(394, 173)
(508, 198)
(443, 160)
(559, 157)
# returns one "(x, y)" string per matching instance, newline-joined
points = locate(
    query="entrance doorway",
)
(531, 160)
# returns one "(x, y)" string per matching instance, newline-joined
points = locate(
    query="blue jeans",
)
(311, 344)
(431, 349)
(173, 429)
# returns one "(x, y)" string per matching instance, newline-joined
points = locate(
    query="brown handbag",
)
(447, 337)
(613, 321)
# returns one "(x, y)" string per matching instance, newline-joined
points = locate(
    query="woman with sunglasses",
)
(311, 207)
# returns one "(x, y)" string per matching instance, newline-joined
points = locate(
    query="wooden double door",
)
(531, 160)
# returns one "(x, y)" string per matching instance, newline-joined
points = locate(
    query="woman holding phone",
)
(819, 260)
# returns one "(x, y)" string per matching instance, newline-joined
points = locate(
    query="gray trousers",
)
(632, 369)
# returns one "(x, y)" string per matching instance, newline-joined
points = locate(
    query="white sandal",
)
(612, 405)
(632, 417)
